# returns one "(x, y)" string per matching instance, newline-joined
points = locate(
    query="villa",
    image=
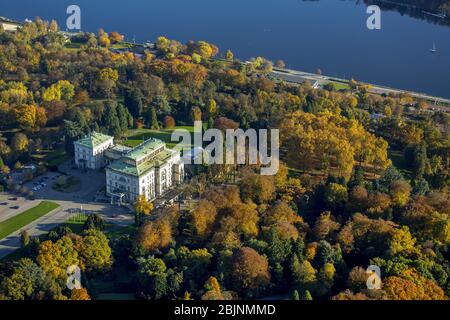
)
(90, 151)
(150, 169)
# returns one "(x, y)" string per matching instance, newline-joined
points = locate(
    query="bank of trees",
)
(43, 273)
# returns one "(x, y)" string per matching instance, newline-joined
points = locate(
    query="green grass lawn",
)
(137, 136)
(52, 157)
(21, 220)
(122, 45)
(76, 223)
(398, 160)
(340, 85)
(68, 185)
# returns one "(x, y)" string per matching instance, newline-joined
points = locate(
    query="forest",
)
(364, 178)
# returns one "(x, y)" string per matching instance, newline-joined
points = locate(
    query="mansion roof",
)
(143, 158)
(124, 167)
(94, 139)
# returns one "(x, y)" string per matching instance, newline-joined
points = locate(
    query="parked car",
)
(13, 199)
(15, 207)
(3, 203)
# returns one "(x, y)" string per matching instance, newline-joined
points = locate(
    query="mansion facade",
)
(148, 170)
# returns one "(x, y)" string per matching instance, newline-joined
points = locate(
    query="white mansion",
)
(90, 151)
(149, 169)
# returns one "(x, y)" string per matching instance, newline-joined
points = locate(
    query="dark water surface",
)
(328, 34)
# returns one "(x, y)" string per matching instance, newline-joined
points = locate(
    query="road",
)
(295, 76)
(7, 211)
(90, 183)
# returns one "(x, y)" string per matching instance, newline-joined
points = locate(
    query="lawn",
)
(75, 223)
(122, 45)
(53, 157)
(67, 184)
(398, 160)
(137, 136)
(340, 85)
(23, 219)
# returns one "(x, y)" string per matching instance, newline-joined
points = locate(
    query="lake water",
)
(328, 34)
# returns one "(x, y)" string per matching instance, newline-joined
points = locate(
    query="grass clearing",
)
(398, 160)
(340, 85)
(67, 184)
(76, 223)
(52, 157)
(23, 219)
(138, 136)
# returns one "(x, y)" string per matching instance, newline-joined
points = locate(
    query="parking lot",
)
(42, 185)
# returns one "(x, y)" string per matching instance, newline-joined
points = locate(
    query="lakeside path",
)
(297, 77)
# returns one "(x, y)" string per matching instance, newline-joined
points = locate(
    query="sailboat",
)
(434, 49)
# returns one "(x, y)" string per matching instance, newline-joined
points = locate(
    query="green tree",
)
(154, 125)
(307, 296)
(94, 221)
(25, 282)
(95, 252)
(111, 120)
(134, 101)
(24, 239)
(152, 275)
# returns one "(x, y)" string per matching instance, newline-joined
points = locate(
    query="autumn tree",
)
(169, 122)
(400, 192)
(324, 141)
(202, 220)
(103, 38)
(115, 37)
(196, 114)
(402, 242)
(229, 55)
(79, 294)
(142, 207)
(250, 272)
(280, 213)
(325, 226)
(260, 189)
(155, 235)
(20, 142)
(55, 258)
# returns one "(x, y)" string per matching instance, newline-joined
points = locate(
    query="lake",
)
(328, 34)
